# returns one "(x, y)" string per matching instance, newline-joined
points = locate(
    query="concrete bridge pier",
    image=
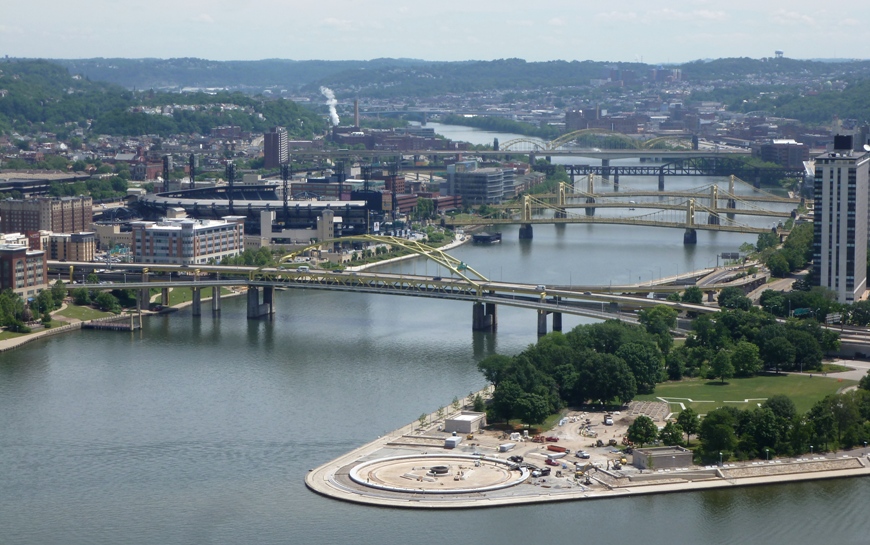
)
(590, 211)
(490, 311)
(526, 231)
(690, 236)
(711, 296)
(557, 321)
(712, 219)
(616, 181)
(542, 323)
(560, 213)
(481, 320)
(255, 308)
(661, 180)
(196, 296)
(216, 300)
(164, 297)
(605, 169)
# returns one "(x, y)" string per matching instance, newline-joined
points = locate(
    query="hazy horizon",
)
(672, 32)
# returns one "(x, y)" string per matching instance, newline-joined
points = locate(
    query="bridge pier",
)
(255, 309)
(661, 180)
(526, 232)
(560, 213)
(196, 296)
(605, 169)
(216, 300)
(690, 237)
(712, 219)
(542, 323)
(616, 181)
(164, 297)
(481, 318)
(590, 211)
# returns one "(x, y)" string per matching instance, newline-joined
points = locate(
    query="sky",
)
(658, 31)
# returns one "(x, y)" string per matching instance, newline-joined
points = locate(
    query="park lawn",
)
(9, 335)
(183, 295)
(706, 395)
(82, 312)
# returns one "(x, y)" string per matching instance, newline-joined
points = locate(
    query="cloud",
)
(697, 15)
(556, 21)
(616, 16)
(343, 24)
(783, 17)
(203, 18)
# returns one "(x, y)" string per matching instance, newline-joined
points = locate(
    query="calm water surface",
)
(201, 430)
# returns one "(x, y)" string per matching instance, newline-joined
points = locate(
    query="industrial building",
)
(661, 457)
(840, 192)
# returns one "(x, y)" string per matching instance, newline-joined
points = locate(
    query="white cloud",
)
(616, 16)
(783, 17)
(203, 18)
(343, 24)
(556, 21)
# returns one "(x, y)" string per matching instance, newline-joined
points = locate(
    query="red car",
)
(551, 462)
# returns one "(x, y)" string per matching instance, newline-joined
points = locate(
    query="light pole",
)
(811, 450)
(720, 459)
(767, 452)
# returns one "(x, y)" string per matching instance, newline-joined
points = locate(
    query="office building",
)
(72, 246)
(275, 151)
(22, 270)
(840, 224)
(475, 185)
(185, 241)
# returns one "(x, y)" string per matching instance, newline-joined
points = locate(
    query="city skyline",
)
(448, 31)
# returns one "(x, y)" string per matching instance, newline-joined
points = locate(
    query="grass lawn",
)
(9, 335)
(744, 393)
(183, 295)
(83, 313)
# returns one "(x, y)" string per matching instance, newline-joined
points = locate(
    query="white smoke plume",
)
(331, 102)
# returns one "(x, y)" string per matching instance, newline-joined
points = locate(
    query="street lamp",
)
(767, 452)
(811, 449)
(720, 459)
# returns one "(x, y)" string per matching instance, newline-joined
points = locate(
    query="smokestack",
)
(356, 113)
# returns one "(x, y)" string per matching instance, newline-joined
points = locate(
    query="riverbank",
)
(395, 470)
(458, 240)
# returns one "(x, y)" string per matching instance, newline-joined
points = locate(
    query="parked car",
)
(582, 454)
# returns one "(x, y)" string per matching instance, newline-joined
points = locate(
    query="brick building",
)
(187, 241)
(58, 215)
(22, 270)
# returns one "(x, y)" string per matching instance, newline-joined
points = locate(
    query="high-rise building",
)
(275, 151)
(842, 182)
(185, 241)
(475, 185)
(58, 215)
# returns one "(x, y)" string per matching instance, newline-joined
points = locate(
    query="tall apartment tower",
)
(275, 150)
(842, 182)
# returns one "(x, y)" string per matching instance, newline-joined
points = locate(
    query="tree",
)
(778, 265)
(81, 296)
(58, 292)
(689, 422)
(864, 384)
(732, 297)
(643, 430)
(777, 352)
(504, 400)
(658, 321)
(717, 432)
(532, 408)
(107, 302)
(479, 405)
(495, 368)
(671, 434)
(44, 302)
(693, 295)
(721, 366)
(746, 359)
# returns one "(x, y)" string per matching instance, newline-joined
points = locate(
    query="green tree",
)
(732, 297)
(532, 408)
(693, 295)
(745, 359)
(689, 422)
(58, 292)
(107, 302)
(777, 353)
(479, 404)
(717, 433)
(81, 296)
(643, 430)
(721, 366)
(646, 364)
(671, 434)
(495, 368)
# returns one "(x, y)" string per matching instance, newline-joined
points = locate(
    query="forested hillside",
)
(40, 96)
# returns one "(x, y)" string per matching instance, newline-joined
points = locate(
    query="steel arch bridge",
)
(454, 265)
(626, 141)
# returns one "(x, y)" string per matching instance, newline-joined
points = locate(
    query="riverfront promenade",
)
(396, 470)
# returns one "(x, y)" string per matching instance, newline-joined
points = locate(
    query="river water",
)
(201, 430)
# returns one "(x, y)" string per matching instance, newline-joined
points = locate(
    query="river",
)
(201, 430)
